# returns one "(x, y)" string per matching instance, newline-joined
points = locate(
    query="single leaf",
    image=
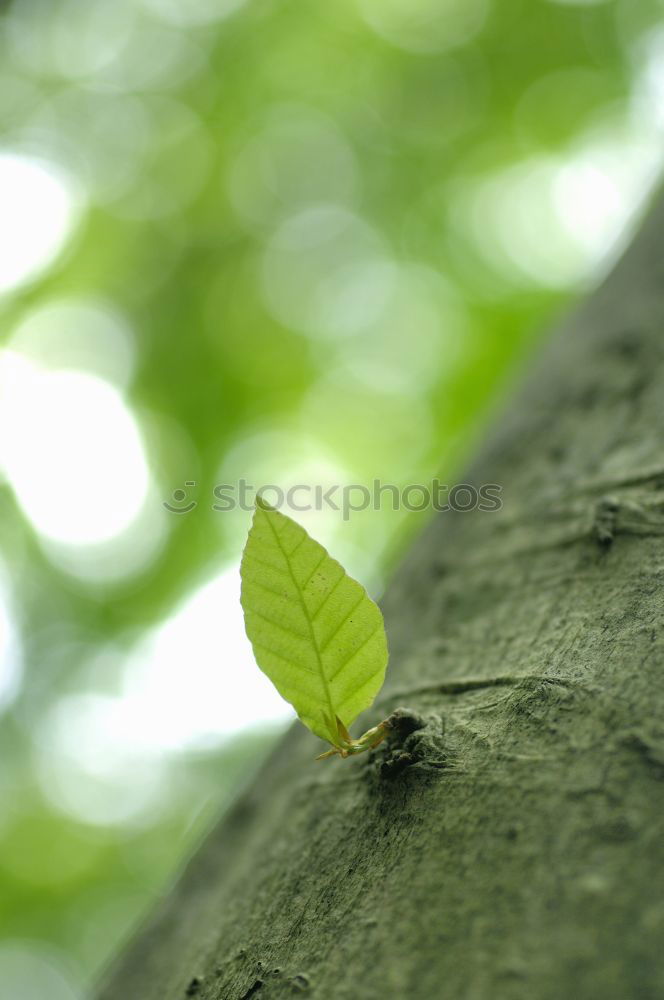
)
(315, 631)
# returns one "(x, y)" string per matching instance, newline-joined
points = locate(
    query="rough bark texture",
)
(513, 847)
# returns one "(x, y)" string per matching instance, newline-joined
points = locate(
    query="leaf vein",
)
(285, 659)
(321, 669)
(316, 567)
(283, 628)
(268, 590)
(352, 656)
(296, 547)
(351, 697)
(342, 623)
(327, 596)
(264, 562)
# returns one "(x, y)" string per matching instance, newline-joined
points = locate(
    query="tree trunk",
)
(513, 846)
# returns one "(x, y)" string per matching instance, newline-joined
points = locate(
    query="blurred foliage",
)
(304, 240)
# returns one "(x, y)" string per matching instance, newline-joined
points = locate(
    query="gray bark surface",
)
(513, 847)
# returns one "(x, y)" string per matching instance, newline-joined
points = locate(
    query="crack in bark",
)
(464, 686)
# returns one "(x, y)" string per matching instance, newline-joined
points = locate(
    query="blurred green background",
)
(290, 242)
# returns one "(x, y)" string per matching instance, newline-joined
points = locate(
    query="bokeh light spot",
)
(71, 451)
(10, 653)
(86, 334)
(297, 157)
(552, 220)
(104, 139)
(30, 970)
(88, 774)
(326, 273)
(193, 11)
(415, 339)
(285, 455)
(194, 682)
(375, 430)
(425, 25)
(118, 558)
(648, 91)
(37, 213)
(190, 685)
(162, 187)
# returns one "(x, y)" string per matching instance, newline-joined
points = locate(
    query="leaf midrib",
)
(305, 610)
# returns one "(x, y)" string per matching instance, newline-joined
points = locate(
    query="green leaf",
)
(315, 631)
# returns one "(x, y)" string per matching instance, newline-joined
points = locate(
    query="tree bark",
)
(513, 846)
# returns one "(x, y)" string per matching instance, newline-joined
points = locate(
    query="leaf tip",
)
(262, 504)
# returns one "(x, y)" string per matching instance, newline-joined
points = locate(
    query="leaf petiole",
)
(346, 746)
